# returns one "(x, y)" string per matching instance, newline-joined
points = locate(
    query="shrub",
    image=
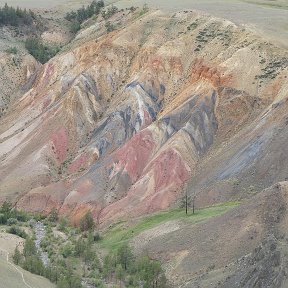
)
(32, 223)
(29, 247)
(75, 27)
(87, 222)
(34, 264)
(109, 12)
(40, 51)
(22, 216)
(17, 231)
(53, 216)
(109, 27)
(7, 209)
(12, 50)
(150, 272)
(125, 256)
(144, 10)
(63, 224)
(67, 250)
(96, 237)
(12, 221)
(3, 218)
(17, 257)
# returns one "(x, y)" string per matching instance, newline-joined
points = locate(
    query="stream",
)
(40, 232)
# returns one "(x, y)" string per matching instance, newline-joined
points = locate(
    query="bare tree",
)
(189, 197)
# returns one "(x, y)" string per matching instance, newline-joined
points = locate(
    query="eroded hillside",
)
(120, 122)
(123, 123)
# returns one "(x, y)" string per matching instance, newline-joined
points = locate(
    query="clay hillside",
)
(136, 112)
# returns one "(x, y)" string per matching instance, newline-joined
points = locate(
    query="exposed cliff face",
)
(120, 122)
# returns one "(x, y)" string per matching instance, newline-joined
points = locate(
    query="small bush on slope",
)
(40, 51)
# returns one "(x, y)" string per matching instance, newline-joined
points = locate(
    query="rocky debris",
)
(265, 267)
(39, 229)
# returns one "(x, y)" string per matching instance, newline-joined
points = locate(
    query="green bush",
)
(22, 216)
(109, 27)
(63, 224)
(150, 272)
(7, 209)
(12, 50)
(106, 14)
(125, 267)
(12, 221)
(87, 222)
(17, 257)
(3, 218)
(75, 27)
(96, 237)
(34, 265)
(17, 231)
(53, 215)
(40, 51)
(67, 250)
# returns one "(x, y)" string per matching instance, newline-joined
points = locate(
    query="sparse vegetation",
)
(109, 12)
(208, 34)
(272, 69)
(16, 230)
(78, 17)
(85, 256)
(39, 50)
(87, 222)
(12, 50)
(144, 10)
(109, 26)
(16, 16)
(77, 259)
(10, 216)
(193, 26)
(124, 268)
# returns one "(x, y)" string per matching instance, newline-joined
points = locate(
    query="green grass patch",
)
(120, 234)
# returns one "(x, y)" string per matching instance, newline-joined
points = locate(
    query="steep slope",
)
(246, 247)
(17, 74)
(121, 121)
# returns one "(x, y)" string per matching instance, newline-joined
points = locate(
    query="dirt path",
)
(15, 267)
